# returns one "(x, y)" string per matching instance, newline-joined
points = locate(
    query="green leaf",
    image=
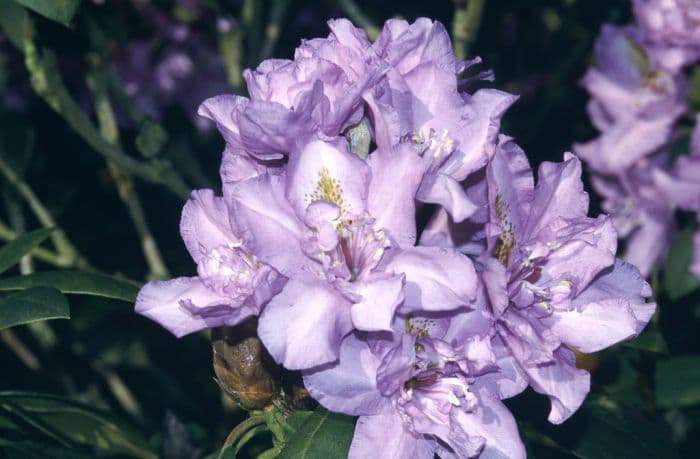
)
(12, 17)
(613, 431)
(319, 434)
(57, 10)
(75, 282)
(678, 281)
(32, 305)
(677, 381)
(80, 424)
(150, 139)
(14, 250)
(651, 340)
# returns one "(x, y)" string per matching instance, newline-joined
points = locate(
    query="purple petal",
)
(613, 308)
(224, 111)
(587, 247)
(447, 192)
(269, 130)
(493, 422)
(595, 327)
(510, 187)
(380, 298)
(205, 224)
(477, 131)
(303, 326)
(695, 264)
(185, 305)
(350, 385)
(436, 279)
(406, 46)
(559, 194)
(396, 174)
(383, 436)
(324, 171)
(564, 384)
(268, 223)
(509, 380)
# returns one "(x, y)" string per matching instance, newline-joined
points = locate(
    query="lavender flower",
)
(422, 393)
(342, 230)
(231, 285)
(335, 82)
(635, 105)
(316, 235)
(456, 132)
(552, 277)
(671, 30)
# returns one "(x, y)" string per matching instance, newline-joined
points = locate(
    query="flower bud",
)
(243, 368)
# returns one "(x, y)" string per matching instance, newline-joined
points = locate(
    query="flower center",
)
(358, 250)
(328, 189)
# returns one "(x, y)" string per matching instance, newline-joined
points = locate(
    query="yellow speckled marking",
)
(506, 241)
(328, 189)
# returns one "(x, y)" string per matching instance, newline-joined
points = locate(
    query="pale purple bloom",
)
(680, 184)
(231, 283)
(423, 392)
(642, 215)
(420, 102)
(633, 104)
(343, 229)
(552, 277)
(671, 30)
(293, 101)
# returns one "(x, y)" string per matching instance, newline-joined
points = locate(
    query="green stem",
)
(64, 247)
(17, 220)
(47, 83)
(244, 431)
(22, 352)
(47, 256)
(125, 186)
(465, 25)
(273, 28)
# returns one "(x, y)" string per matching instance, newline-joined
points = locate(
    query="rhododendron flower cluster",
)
(420, 330)
(639, 90)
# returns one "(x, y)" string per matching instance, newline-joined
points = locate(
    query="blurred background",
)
(121, 81)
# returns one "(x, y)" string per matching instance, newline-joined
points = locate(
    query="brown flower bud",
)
(243, 368)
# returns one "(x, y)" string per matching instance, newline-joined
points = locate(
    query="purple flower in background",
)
(633, 105)
(231, 283)
(183, 68)
(423, 392)
(552, 277)
(641, 213)
(680, 184)
(671, 30)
